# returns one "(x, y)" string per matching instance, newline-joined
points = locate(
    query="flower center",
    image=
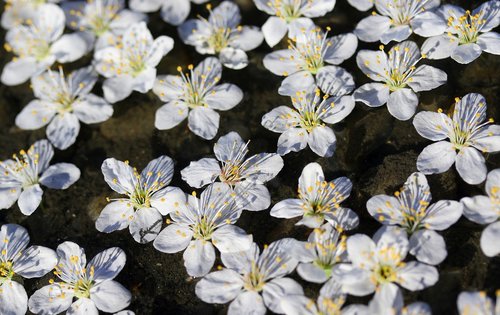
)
(203, 229)
(254, 280)
(26, 167)
(82, 288)
(467, 27)
(230, 174)
(312, 50)
(288, 10)
(385, 274)
(195, 86)
(140, 198)
(309, 120)
(6, 269)
(219, 38)
(401, 73)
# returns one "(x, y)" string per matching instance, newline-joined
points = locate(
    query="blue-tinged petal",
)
(202, 172)
(340, 48)
(396, 33)
(439, 47)
(119, 175)
(489, 240)
(107, 264)
(322, 141)
(466, 53)
(145, 225)
(35, 115)
(374, 64)
(428, 247)
(60, 176)
(402, 103)
(199, 258)
(426, 78)
(13, 298)
(247, 303)
(372, 94)
(436, 158)
(110, 296)
(173, 239)
(63, 130)
(93, 109)
(204, 122)
(293, 139)
(118, 88)
(442, 214)
(433, 126)
(274, 29)
(82, 306)
(224, 96)
(471, 166)
(171, 114)
(51, 299)
(17, 239)
(220, 286)
(298, 81)
(233, 58)
(280, 119)
(169, 87)
(415, 276)
(30, 199)
(385, 209)
(175, 12)
(275, 290)
(231, 239)
(370, 29)
(246, 38)
(489, 42)
(427, 24)
(35, 262)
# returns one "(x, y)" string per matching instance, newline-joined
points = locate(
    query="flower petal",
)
(361, 249)
(175, 12)
(426, 78)
(322, 141)
(416, 276)
(275, 290)
(428, 247)
(13, 298)
(372, 94)
(170, 115)
(82, 306)
(293, 139)
(15, 239)
(436, 158)
(173, 239)
(70, 47)
(224, 96)
(281, 62)
(288, 208)
(385, 209)
(298, 81)
(30, 199)
(204, 122)
(115, 216)
(439, 47)
(51, 299)
(247, 303)
(466, 53)
(433, 126)
(145, 225)
(312, 273)
(246, 38)
(60, 176)
(479, 209)
(487, 139)
(63, 130)
(20, 70)
(119, 175)
(471, 166)
(110, 296)
(395, 33)
(402, 103)
(252, 196)
(219, 287)
(107, 264)
(35, 115)
(117, 88)
(443, 214)
(274, 29)
(489, 42)
(199, 258)
(355, 281)
(371, 28)
(232, 58)
(230, 238)
(427, 24)
(341, 47)
(168, 199)
(35, 262)
(489, 240)
(280, 119)
(169, 87)
(93, 109)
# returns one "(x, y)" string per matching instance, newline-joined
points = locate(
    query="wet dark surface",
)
(376, 151)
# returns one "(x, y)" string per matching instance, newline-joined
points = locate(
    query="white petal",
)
(439, 47)
(288, 208)
(51, 299)
(396, 33)
(281, 62)
(233, 58)
(170, 115)
(361, 5)
(262, 167)
(335, 81)
(200, 173)
(125, 18)
(199, 258)
(35, 262)
(275, 290)
(63, 130)
(119, 175)
(241, 262)
(13, 298)
(297, 27)
(443, 214)
(433, 126)
(168, 199)
(115, 216)
(110, 296)
(299, 305)
(118, 88)
(247, 303)
(294, 139)
(312, 273)
(93, 109)
(175, 12)
(371, 28)
(322, 141)
(471, 166)
(426, 78)
(71, 261)
(274, 29)
(224, 96)
(230, 238)
(252, 196)
(83, 306)
(466, 53)
(145, 5)
(339, 110)
(489, 42)
(428, 247)
(30, 199)
(298, 81)
(17, 239)
(343, 218)
(219, 287)
(354, 280)
(373, 63)
(204, 122)
(488, 139)
(69, 47)
(387, 299)
(157, 174)
(35, 115)
(479, 209)
(169, 87)
(246, 38)
(428, 24)
(19, 71)
(280, 119)
(341, 48)
(361, 250)
(145, 225)
(402, 103)
(60, 176)
(160, 47)
(418, 308)
(489, 240)
(436, 158)
(417, 276)
(173, 239)
(107, 264)
(385, 209)
(372, 94)
(145, 80)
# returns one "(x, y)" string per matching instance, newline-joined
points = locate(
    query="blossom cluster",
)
(114, 38)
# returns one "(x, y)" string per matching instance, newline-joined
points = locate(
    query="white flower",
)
(486, 210)
(389, 300)
(318, 201)
(21, 177)
(197, 225)
(478, 303)
(468, 134)
(17, 12)
(221, 34)
(381, 263)
(310, 57)
(147, 197)
(290, 16)
(17, 259)
(330, 302)
(62, 103)
(410, 209)
(362, 5)
(397, 79)
(103, 20)
(467, 35)
(39, 44)
(130, 65)
(396, 20)
(196, 95)
(305, 125)
(91, 284)
(324, 248)
(253, 281)
(246, 176)
(172, 11)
